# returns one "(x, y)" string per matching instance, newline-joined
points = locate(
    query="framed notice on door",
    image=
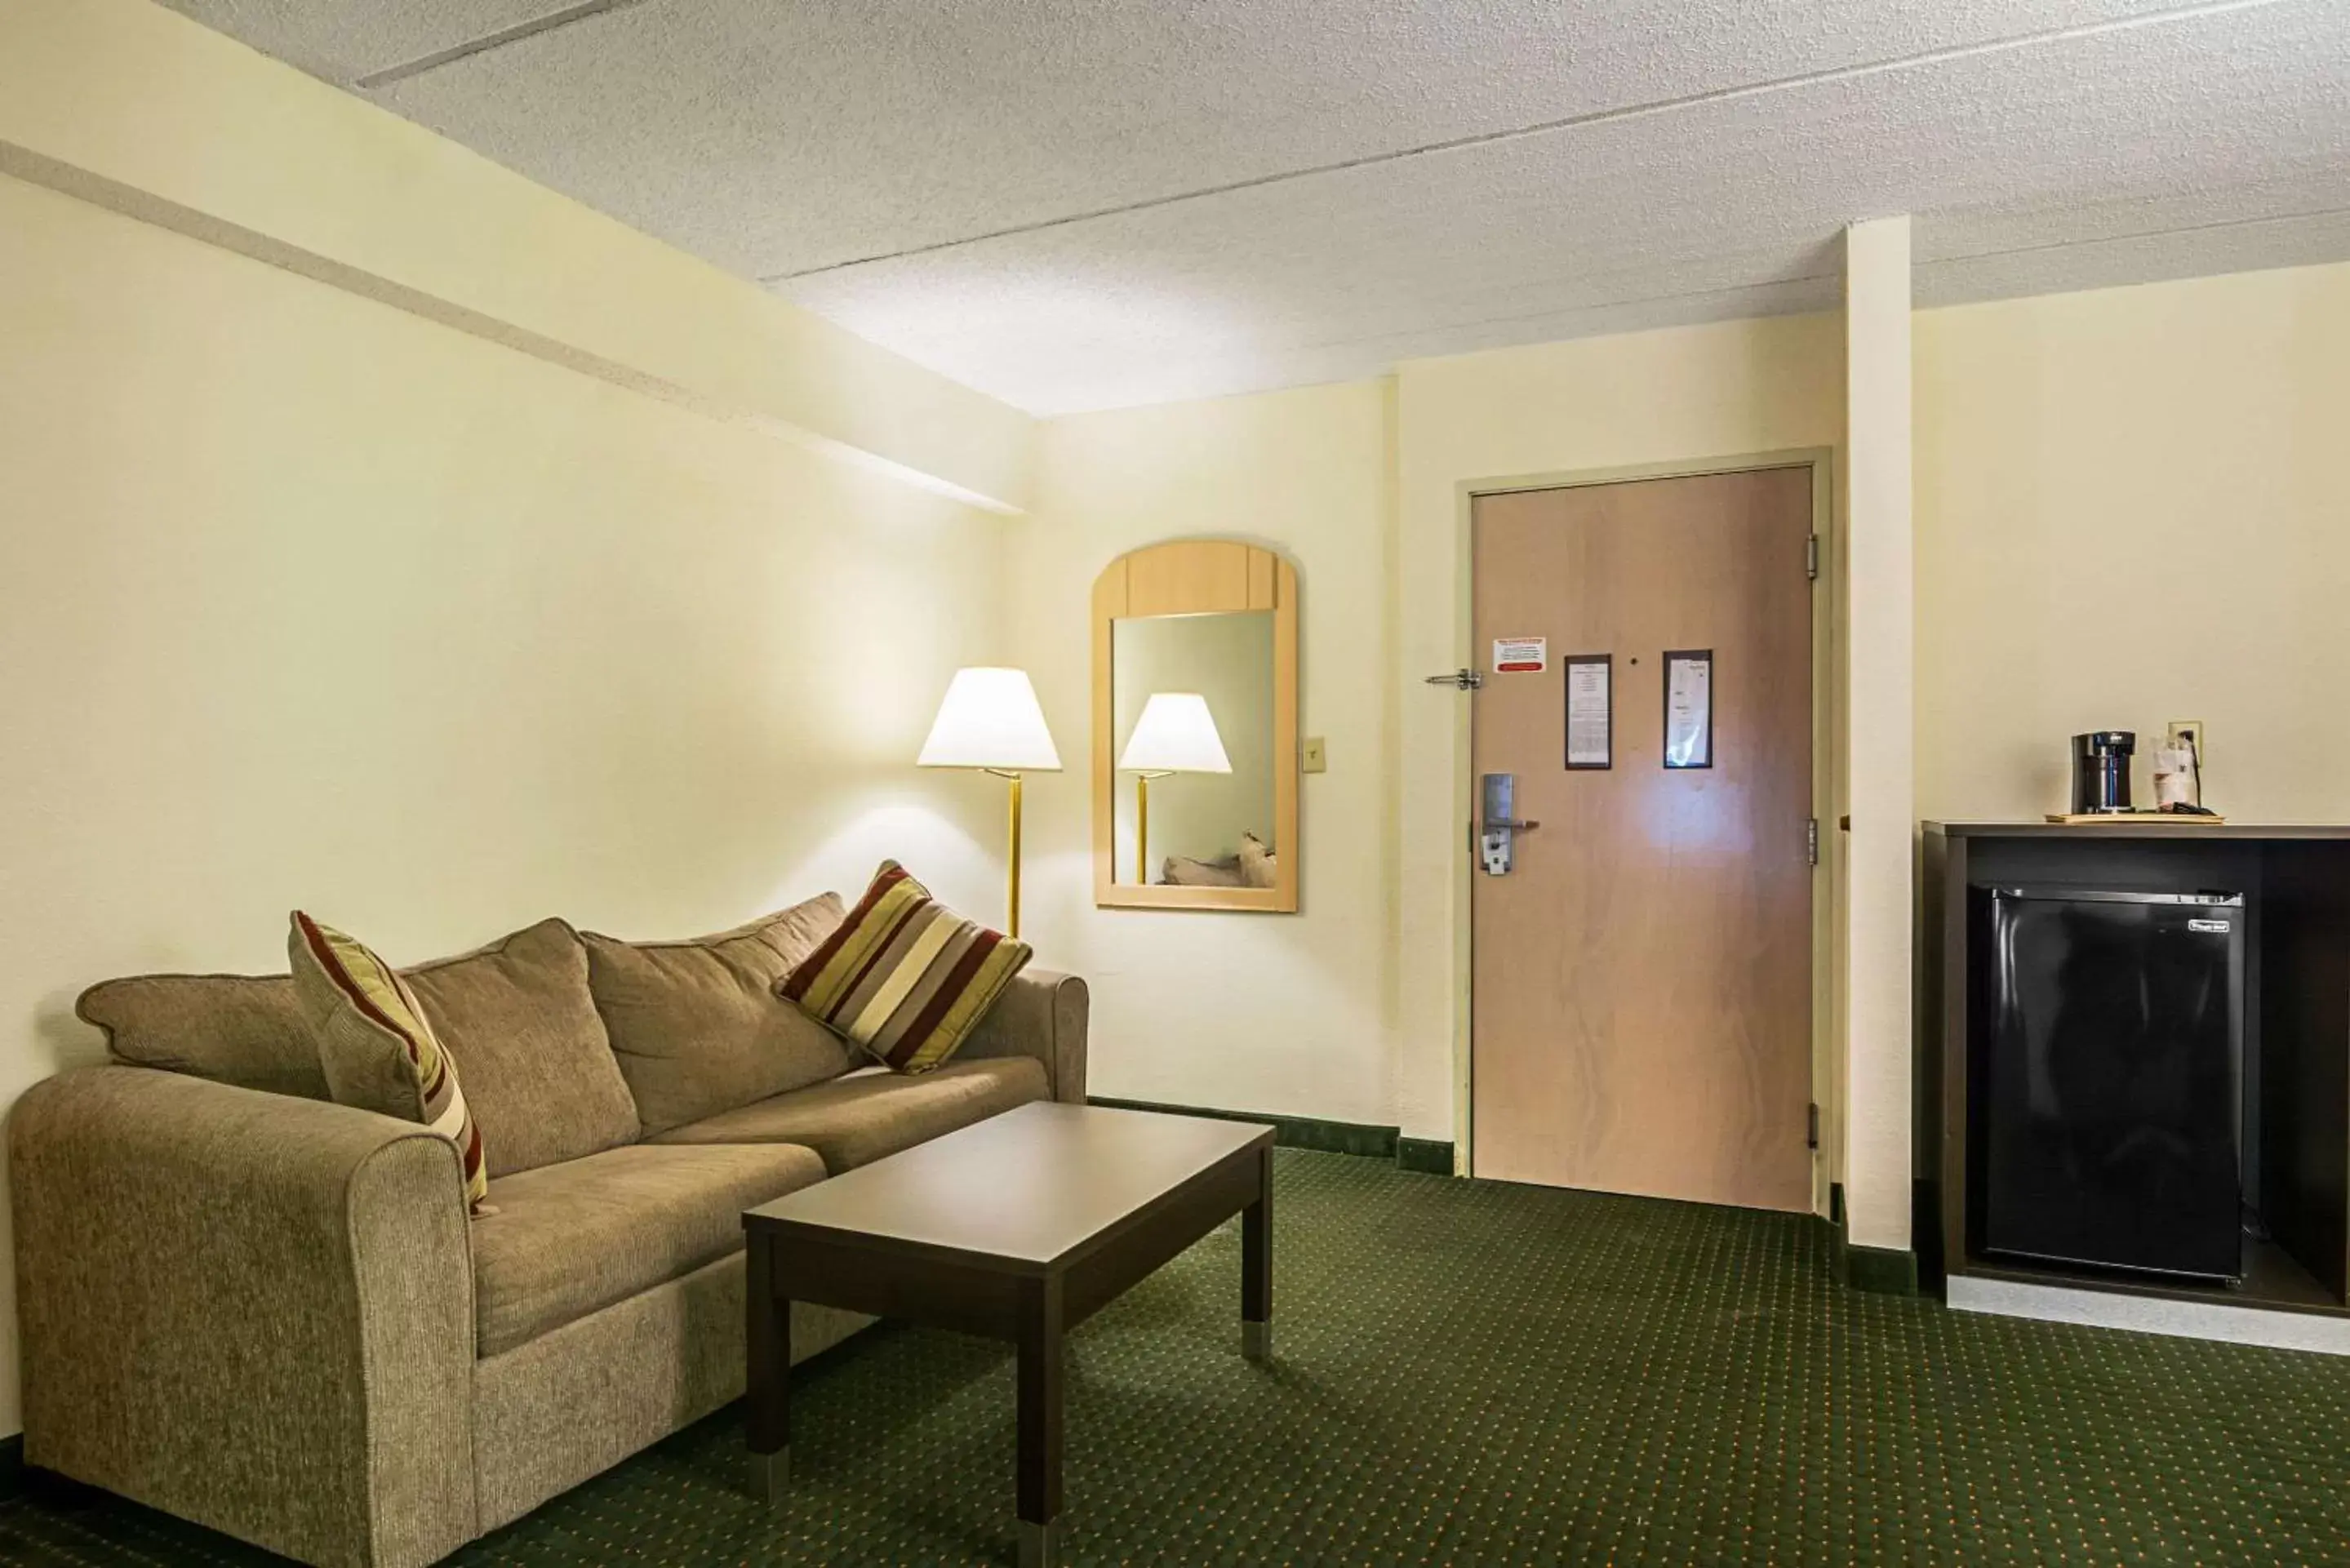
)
(1689, 708)
(1590, 710)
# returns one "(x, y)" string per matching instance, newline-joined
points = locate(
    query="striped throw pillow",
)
(904, 976)
(375, 1046)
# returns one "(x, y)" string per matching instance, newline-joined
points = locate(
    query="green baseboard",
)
(1289, 1132)
(1880, 1271)
(1430, 1154)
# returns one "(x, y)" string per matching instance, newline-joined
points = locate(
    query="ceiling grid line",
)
(2215, 226)
(1617, 115)
(529, 29)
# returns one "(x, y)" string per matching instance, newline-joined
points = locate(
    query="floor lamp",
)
(1176, 734)
(991, 721)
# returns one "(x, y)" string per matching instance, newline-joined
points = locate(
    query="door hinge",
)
(1811, 1126)
(1812, 841)
(1459, 681)
(1812, 558)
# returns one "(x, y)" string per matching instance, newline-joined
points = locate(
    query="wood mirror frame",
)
(1198, 576)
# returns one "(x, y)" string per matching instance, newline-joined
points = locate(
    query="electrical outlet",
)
(1312, 758)
(2183, 730)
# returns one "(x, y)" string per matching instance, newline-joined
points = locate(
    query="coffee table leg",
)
(768, 1345)
(1040, 1423)
(1256, 1265)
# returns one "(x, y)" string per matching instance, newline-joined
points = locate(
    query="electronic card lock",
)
(1498, 833)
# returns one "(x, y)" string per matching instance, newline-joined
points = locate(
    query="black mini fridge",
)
(2108, 1044)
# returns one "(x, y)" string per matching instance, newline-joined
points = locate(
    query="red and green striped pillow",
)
(904, 976)
(376, 1047)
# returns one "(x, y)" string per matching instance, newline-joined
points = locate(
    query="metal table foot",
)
(1040, 1544)
(771, 1474)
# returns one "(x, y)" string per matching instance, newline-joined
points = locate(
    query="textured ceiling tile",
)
(2090, 139)
(774, 138)
(1073, 204)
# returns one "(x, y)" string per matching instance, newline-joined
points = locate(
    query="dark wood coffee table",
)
(1019, 1228)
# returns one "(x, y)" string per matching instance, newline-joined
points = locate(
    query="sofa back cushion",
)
(697, 1026)
(241, 1029)
(539, 1074)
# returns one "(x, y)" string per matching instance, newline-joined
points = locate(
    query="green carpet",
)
(1472, 1373)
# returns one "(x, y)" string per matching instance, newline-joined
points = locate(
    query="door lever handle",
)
(1498, 795)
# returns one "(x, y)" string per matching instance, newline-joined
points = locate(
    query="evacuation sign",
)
(1521, 654)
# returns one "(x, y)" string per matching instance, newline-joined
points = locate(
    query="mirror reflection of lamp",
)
(1176, 734)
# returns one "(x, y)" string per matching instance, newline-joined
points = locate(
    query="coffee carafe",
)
(2101, 771)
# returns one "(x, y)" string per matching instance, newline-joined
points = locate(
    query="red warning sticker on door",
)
(1521, 654)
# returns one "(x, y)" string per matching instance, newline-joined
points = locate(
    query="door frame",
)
(1826, 770)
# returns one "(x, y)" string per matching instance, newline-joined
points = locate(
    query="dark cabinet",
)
(2134, 1059)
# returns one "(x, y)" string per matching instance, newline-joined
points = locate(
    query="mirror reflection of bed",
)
(1192, 701)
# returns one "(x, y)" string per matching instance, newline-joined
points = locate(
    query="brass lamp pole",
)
(1012, 870)
(1142, 820)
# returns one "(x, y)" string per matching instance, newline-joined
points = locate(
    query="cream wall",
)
(1250, 1011)
(1729, 389)
(1877, 871)
(136, 107)
(394, 537)
(319, 604)
(2079, 462)
(2133, 506)
(1353, 1009)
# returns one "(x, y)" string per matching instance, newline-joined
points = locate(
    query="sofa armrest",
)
(248, 1310)
(1042, 1013)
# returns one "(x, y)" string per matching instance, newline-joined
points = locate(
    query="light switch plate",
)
(1311, 757)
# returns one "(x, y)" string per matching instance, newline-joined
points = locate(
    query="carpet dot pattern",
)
(1477, 1373)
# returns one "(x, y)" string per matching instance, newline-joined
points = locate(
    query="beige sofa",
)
(255, 1309)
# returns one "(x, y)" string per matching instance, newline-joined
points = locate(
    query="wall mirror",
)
(1195, 729)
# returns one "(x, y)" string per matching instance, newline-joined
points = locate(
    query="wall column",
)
(1879, 736)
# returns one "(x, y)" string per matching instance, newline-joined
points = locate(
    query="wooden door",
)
(1641, 1010)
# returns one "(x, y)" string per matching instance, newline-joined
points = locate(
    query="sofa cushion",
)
(697, 1026)
(904, 976)
(375, 1046)
(241, 1029)
(873, 1112)
(539, 1074)
(571, 1238)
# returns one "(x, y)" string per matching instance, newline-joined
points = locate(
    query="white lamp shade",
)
(990, 720)
(1176, 734)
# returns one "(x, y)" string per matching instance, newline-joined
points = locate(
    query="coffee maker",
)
(2101, 771)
